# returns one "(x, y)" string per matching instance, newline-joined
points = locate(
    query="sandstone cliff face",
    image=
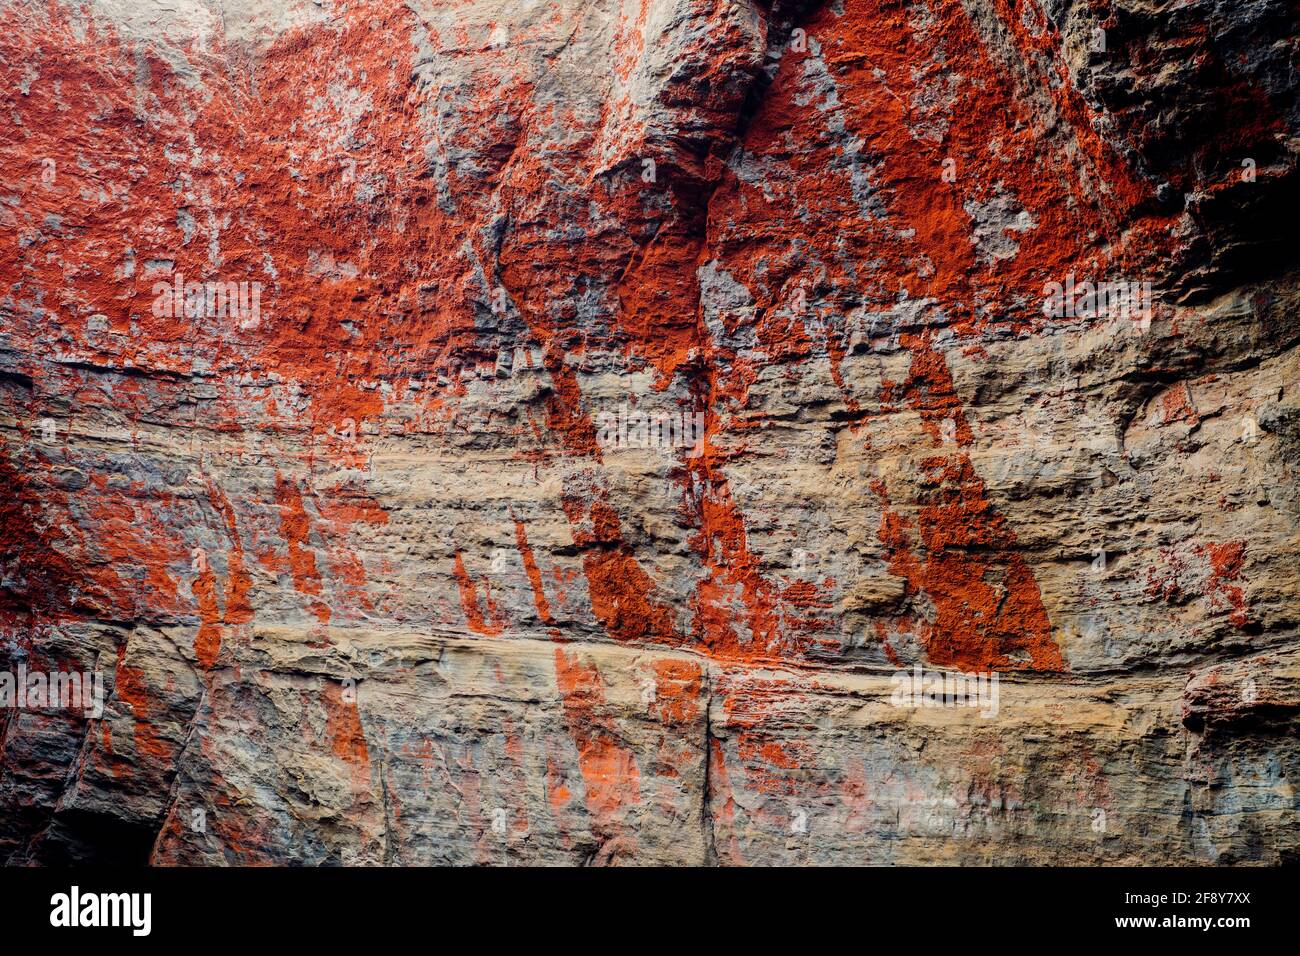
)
(622, 398)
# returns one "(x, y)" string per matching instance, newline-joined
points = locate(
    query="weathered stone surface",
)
(370, 570)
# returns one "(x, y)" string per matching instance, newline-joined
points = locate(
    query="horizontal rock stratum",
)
(650, 431)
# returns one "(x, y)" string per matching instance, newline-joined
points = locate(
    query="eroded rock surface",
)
(381, 563)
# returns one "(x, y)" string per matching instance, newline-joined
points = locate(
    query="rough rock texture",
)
(369, 584)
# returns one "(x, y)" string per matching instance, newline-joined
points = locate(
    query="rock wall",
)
(580, 431)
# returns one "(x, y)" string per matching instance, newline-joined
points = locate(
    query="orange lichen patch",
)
(494, 623)
(1176, 406)
(296, 528)
(346, 736)
(806, 611)
(882, 632)
(238, 610)
(622, 593)
(1033, 33)
(989, 613)
(722, 542)
(557, 791)
(774, 768)
(925, 244)
(929, 390)
(768, 752)
(347, 571)
(129, 687)
(345, 505)
(309, 276)
(1088, 778)
(1209, 570)
(609, 770)
(132, 535)
(629, 41)
(739, 613)
(677, 690)
(240, 838)
(54, 561)
(1164, 582)
(171, 838)
(340, 507)
(274, 160)
(610, 775)
(241, 845)
(772, 764)
(1226, 560)
(207, 642)
(658, 297)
